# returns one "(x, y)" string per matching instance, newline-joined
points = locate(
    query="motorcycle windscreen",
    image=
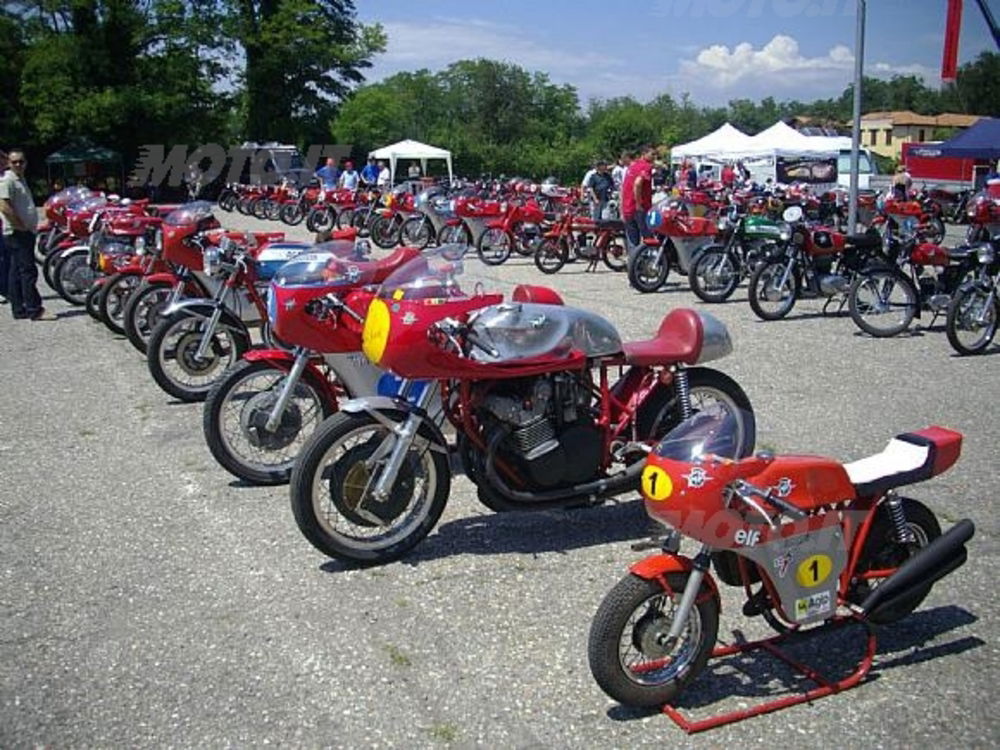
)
(714, 430)
(332, 264)
(189, 213)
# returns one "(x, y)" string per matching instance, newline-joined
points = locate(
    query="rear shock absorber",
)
(904, 534)
(683, 391)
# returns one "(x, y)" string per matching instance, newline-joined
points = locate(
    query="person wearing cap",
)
(369, 174)
(349, 177)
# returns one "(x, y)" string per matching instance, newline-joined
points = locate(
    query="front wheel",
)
(143, 312)
(73, 277)
(455, 234)
(385, 232)
(172, 355)
(93, 296)
(416, 232)
(292, 214)
(115, 294)
(773, 290)
(972, 320)
(235, 421)
(332, 482)
(882, 303)
(551, 255)
(630, 654)
(714, 275)
(935, 230)
(494, 246)
(615, 256)
(649, 268)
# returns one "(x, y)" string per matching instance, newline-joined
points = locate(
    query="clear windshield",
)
(68, 195)
(714, 430)
(330, 264)
(189, 213)
(90, 203)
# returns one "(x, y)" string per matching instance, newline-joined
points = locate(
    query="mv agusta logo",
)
(785, 487)
(696, 477)
(781, 564)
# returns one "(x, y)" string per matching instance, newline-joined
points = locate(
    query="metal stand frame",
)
(824, 687)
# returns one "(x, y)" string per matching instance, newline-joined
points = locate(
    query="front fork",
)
(209, 330)
(689, 598)
(291, 380)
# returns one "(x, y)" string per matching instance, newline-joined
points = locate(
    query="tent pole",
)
(859, 65)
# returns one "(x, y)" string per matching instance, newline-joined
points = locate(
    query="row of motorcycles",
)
(366, 384)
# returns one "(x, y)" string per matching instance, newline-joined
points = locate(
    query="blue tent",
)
(981, 141)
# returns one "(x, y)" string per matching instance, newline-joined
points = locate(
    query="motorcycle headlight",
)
(785, 233)
(985, 254)
(211, 258)
(140, 245)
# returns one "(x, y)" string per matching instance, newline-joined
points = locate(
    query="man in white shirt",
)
(349, 177)
(20, 220)
(384, 178)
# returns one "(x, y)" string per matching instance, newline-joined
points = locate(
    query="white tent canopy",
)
(782, 140)
(409, 149)
(721, 142)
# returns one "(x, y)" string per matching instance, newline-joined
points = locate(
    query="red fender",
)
(655, 566)
(281, 359)
(163, 277)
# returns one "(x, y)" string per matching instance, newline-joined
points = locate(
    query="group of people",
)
(375, 174)
(19, 215)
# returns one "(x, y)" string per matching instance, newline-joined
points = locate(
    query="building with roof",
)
(886, 132)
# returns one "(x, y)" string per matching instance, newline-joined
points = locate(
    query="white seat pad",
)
(897, 458)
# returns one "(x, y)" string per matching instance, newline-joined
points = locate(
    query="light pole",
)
(859, 66)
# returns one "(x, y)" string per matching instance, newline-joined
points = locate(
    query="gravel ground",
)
(147, 599)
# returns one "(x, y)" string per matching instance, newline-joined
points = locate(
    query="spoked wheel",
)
(882, 303)
(90, 303)
(49, 265)
(934, 231)
(649, 268)
(772, 292)
(494, 246)
(292, 214)
(331, 490)
(362, 221)
(615, 256)
(114, 296)
(972, 320)
(416, 232)
(172, 355)
(629, 649)
(235, 421)
(883, 551)
(551, 256)
(455, 233)
(143, 312)
(323, 219)
(714, 275)
(73, 277)
(345, 219)
(385, 232)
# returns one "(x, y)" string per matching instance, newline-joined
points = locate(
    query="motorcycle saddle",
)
(864, 241)
(908, 458)
(678, 339)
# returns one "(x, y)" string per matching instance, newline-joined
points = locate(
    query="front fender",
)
(199, 308)
(656, 566)
(279, 357)
(163, 277)
(282, 359)
(390, 412)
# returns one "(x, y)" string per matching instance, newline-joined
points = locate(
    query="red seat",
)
(679, 340)
(540, 294)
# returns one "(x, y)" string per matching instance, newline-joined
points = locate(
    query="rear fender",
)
(656, 567)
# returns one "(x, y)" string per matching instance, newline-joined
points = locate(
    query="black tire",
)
(615, 256)
(143, 312)
(416, 231)
(180, 330)
(494, 246)
(250, 409)
(881, 551)
(73, 277)
(764, 284)
(345, 219)
(715, 274)
(632, 621)
(49, 264)
(362, 221)
(385, 232)
(551, 256)
(258, 208)
(292, 214)
(873, 308)
(227, 200)
(90, 303)
(661, 412)
(457, 234)
(243, 205)
(42, 245)
(323, 471)
(324, 219)
(974, 311)
(273, 211)
(115, 293)
(644, 273)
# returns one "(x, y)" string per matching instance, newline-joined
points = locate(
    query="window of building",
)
(888, 136)
(920, 136)
(873, 137)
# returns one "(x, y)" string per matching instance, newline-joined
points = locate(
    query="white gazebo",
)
(409, 149)
(720, 143)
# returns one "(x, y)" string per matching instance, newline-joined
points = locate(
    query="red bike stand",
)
(824, 687)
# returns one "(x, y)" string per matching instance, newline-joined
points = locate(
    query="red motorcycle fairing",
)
(656, 566)
(282, 359)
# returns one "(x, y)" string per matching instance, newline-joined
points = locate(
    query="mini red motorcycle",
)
(810, 540)
(550, 407)
(517, 229)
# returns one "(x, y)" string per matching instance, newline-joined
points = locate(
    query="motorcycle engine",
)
(551, 437)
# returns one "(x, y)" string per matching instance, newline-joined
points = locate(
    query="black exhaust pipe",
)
(939, 558)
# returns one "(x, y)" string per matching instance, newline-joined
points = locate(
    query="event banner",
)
(797, 169)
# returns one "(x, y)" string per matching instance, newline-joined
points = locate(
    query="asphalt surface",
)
(148, 600)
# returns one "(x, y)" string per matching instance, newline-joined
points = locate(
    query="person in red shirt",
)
(637, 199)
(728, 175)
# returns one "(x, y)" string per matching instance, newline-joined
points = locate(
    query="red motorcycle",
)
(813, 543)
(260, 413)
(388, 222)
(550, 407)
(52, 229)
(518, 230)
(579, 236)
(677, 237)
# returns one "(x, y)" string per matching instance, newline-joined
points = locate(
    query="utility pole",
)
(859, 66)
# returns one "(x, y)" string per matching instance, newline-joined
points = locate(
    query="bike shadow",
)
(729, 682)
(532, 532)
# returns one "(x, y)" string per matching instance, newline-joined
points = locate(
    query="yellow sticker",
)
(813, 570)
(398, 294)
(656, 484)
(375, 334)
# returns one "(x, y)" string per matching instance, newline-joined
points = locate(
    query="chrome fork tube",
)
(406, 433)
(210, 327)
(690, 595)
(786, 274)
(291, 380)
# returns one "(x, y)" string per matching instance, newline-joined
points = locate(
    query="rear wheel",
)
(649, 269)
(714, 275)
(882, 303)
(631, 656)
(615, 256)
(972, 320)
(772, 291)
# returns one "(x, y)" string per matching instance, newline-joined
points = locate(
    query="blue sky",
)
(715, 49)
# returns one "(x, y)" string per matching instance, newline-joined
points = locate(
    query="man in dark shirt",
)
(599, 188)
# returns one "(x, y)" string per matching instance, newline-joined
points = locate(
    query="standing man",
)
(4, 258)
(618, 173)
(414, 171)
(328, 174)
(384, 177)
(637, 199)
(20, 219)
(349, 177)
(369, 174)
(599, 188)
